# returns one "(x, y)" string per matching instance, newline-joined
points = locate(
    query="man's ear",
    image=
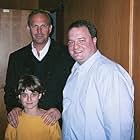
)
(94, 39)
(28, 28)
(50, 29)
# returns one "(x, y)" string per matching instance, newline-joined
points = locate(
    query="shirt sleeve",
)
(10, 133)
(55, 132)
(118, 109)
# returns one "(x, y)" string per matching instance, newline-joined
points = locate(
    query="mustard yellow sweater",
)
(32, 128)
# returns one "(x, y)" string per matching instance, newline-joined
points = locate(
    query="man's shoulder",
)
(55, 43)
(55, 46)
(58, 49)
(22, 50)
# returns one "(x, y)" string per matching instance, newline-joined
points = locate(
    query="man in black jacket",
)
(44, 58)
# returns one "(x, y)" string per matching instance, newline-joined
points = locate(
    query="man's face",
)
(80, 44)
(40, 29)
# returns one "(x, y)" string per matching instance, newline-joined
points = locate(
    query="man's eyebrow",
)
(82, 38)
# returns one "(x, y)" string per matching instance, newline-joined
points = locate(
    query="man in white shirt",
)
(99, 94)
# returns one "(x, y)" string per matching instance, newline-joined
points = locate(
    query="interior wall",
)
(50, 5)
(112, 21)
(13, 35)
(3, 120)
(77, 9)
(19, 4)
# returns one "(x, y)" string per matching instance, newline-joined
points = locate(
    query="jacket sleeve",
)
(67, 63)
(10, 98)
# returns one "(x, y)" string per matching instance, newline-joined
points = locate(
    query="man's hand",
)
(51, 116)
(13, 116)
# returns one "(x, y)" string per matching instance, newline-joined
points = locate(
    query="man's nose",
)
(39, 29)
(76, 45)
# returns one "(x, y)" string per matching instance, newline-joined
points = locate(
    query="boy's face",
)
(29, 99)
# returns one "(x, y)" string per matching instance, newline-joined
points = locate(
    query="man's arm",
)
(10, 98)
(13, 116)
(51, 116)
(118, 106)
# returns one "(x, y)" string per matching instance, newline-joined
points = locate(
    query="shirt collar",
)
(42, 52)
(87, 64)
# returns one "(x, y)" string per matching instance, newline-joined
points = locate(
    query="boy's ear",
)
(18, 96)
(40, 95)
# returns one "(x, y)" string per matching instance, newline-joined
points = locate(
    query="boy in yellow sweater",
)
(31, 125)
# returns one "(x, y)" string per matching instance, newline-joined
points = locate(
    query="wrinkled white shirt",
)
(98, 101)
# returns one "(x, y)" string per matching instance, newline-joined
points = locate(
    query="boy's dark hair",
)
(31, 83)
(80, 23)
(37, 11)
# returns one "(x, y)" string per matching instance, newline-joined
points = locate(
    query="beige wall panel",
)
(3, 119)
(77, 9)
(13, 35)
(31, 4)
(19, 4)
(112, 21)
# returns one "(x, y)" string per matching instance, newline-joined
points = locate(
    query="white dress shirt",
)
(98, 101)
(42, 52)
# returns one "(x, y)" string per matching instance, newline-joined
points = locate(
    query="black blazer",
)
(53, 71)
